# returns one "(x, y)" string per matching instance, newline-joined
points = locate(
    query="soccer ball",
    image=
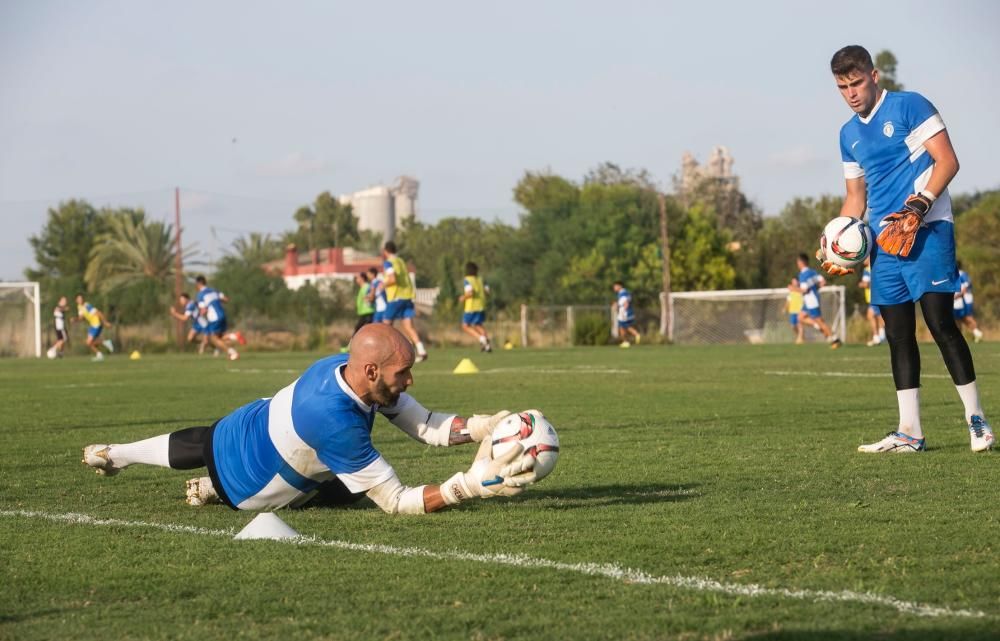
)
(537, 436)
(52, 353)
(846, 241)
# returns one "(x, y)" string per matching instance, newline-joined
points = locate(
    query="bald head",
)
(378, 369)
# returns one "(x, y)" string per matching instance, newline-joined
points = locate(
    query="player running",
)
(210, 306)
(59, 325)
(898, 161)
(812, 315)
(626, 314)
(96, 322)
(399, 297)
(793, 307)
(376, 294)
(474, 300)
(964, 310)
(363, 306)
(199, 324)
(874, 314)
(312, 441)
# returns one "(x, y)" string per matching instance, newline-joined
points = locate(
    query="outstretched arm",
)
(439, 428)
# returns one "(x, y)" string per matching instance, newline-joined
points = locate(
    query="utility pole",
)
(665, 310)
(178, 265)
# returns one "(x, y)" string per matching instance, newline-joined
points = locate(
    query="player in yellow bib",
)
(399, 297)
(793, 306)
(474, 299)
(96, 322)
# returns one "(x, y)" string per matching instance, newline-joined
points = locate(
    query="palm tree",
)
(257, 249)
(131, 251)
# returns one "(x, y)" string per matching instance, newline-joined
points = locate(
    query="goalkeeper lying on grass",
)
(312, 441)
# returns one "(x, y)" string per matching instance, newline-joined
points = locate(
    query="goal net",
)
(20, 320)
(755, 316)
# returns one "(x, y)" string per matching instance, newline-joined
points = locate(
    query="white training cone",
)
(267, 525)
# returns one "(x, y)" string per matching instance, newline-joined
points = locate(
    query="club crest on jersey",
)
(888, 129)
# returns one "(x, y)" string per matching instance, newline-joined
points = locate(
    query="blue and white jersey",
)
(210, 305)
(810, 282)
(271, 452)
(887, 149)
(965, 286)
(191, 312)
(378, 286)
(625, 312)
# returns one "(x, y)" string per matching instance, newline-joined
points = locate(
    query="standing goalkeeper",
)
(898, 161)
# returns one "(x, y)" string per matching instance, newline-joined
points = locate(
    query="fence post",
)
(570, 323)
(666, 316)
(524, 325)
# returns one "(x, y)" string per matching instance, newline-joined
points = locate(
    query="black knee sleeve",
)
(937, 309)
(901, 334)
(186, 448)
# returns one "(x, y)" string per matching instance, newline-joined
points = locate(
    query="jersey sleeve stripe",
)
(378, 471)
(853, 170)
(922, 133)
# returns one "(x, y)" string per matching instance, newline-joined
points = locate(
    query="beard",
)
(383, 395)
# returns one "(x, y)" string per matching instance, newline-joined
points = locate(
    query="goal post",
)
(20, 319)
(754, 316)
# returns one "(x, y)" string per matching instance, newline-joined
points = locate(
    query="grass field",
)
(702, 492)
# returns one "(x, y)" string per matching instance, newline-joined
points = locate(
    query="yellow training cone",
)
(135, 355)
(466, 366)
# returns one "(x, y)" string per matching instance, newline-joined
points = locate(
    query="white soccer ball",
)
(52, 353)
(846, 241)
(531, 430)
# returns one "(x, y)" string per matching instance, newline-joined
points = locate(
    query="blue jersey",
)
(809, 283)
(625, 312)
(198, 321)
(887, 150)
(965, 286)
(378, 286)
(271, 452)
(210, 305)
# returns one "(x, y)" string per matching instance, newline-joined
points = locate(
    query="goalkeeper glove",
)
(830, 267)
(485, 478)
(900, 228)
(481, 426)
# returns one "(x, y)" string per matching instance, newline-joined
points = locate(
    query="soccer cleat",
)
(836, 344)
(625, 345)
(200, 492)
(240, 338)
(99, 356)
(896, 442)
(234, 355)
(111, 346)
(977, 335)
(874, 342)
(980, 434)
(99, 458)
(421, 357)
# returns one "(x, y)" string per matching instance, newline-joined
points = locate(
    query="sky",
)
(253, 108)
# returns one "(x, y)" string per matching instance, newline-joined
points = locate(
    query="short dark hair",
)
(804, 257)
(390, 247)
(201, 280)
(364, 275)
(471, 269)
(185, 295)
(373, 271)
(619, 283)
(851, 58)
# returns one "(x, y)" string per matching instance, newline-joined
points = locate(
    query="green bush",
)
(591, 329)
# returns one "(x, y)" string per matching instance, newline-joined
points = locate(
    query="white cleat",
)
(111, 346)
(99, 458)
(200, 492)
(980, 434)
(895, 442)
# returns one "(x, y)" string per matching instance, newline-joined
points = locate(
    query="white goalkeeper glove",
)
(481, 426)
(485, 478)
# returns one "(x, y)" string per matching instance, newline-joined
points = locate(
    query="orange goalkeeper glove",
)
(899, 230)
(830, 267)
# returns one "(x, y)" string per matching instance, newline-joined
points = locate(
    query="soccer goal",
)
(20, 320)
(754, 316)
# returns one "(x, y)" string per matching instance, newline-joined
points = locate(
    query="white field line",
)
(73, 385)
(846, 374)
(586, 369)
(603, 570)
(243, 370)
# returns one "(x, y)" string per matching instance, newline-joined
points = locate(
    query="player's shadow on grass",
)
(600, 495)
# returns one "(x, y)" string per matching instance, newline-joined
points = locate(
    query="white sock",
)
(881, 333)
(482, 340)
(978, 333)
(970, 399)
(152, 451)
(231, 351)
(909, 412)
(420, 348)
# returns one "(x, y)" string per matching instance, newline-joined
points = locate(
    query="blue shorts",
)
(964, 311)
(793, 319)
(930, 267)
(875, 309)
(812, 312)
(398, 310)
(199, 329)
(217, 328)
(377, 317)
(473, 318)
(94, 332)
(625, 324)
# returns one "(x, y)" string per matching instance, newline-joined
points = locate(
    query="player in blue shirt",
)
(626, 314)
(376, 294)
(964, 308)
(810, 282)
(210, 306)
(312, 440)
(874, 314)
(199, 326)
(898, 161)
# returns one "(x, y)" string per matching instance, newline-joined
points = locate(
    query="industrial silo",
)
(404, 192)
(374, 209)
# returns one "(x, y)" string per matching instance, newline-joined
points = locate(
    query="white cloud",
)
(295, 163)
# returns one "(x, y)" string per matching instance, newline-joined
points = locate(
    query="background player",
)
(399, 297)
(96, 322)
(362, 305)
(809, 283)
(793, 307)
(376, 294)
(474, 299)
(898, 161)
(210, 306)
(626, 314)
(59, 325)
(312, 439)
(964, 310)
(189, 312)
(873, 313)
